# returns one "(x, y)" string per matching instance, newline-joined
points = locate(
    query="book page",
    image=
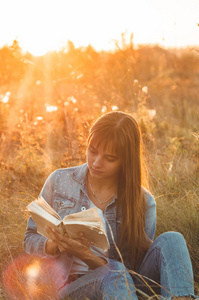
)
(34, 207)
(42, 203)
(98, 238)
(85, 214)
(97, 220)
(95, 225)
(41, 223)
(90, 223)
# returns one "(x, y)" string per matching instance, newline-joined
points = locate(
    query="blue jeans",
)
(166, 270)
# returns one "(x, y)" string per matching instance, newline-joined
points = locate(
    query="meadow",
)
(48, 103)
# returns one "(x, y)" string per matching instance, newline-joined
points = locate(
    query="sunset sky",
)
(42, 25)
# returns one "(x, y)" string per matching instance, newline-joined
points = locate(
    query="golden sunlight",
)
(42, 26)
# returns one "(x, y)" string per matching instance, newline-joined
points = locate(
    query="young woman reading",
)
(113, 181)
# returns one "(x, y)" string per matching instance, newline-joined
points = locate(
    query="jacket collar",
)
(80, 174)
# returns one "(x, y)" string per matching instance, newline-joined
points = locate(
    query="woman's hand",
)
(79, 247)
(51, 247)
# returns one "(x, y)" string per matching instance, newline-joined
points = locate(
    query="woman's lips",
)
(96, 171)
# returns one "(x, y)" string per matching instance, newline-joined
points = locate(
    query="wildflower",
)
(66, 103)
(72, 99)
(38, 82)
(39, 118)
(51, 108)
(135, 81)
(152, 113)
(75, 109)
(79, 76)
(170, 167)
(104, 109)
(6, 97)
(145, 89)
(114, 108)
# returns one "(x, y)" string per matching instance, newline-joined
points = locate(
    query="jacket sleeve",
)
(150, 219)
(34, 243)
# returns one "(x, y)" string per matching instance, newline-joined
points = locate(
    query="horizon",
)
(113, 50)
(45, 26)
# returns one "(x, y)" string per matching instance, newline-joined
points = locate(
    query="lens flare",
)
(32, 271)
(32, 278)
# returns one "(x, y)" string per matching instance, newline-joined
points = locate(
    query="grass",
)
(54, 99)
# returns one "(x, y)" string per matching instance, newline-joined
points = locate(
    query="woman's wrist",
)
(51, 248)
(92, 260)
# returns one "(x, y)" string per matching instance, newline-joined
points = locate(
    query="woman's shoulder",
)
(65, 170)
(150, 200)
(70, 171)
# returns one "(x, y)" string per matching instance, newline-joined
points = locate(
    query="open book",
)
(88, 221)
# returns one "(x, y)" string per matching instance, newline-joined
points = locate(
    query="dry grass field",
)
(47, 104)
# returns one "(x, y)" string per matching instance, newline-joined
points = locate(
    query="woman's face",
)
(102, 161)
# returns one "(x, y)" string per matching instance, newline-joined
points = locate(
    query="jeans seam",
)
(92, 281)
(159, 248)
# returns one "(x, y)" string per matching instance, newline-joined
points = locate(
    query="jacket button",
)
(83, 208)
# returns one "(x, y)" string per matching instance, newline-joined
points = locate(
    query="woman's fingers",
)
(54, 234)
(50, 232)
(72, 246)
(83, 239)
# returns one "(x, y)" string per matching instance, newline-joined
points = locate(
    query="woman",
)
(112, 180)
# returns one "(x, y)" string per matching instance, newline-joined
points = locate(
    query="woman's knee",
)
(117, 281)
(172, 244)
(115, 265)
(116, 271)
(171, 238)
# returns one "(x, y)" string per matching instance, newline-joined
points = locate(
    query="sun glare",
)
(38, 47)
(32, 271)
(42, 26)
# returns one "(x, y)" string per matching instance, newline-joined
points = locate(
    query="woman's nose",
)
(97, 162)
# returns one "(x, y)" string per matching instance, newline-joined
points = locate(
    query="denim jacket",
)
(66, 191)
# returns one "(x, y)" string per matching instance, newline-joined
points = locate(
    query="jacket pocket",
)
(64, 206)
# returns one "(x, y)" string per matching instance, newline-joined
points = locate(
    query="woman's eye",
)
(92, 150)
(110, 159)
